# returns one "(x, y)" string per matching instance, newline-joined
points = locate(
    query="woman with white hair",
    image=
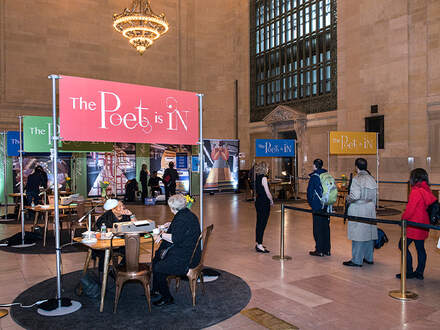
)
(174, 254)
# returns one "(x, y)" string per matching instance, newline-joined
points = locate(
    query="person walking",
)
(170, 177)
(143, 178)
(321, 223)
(419, 199)
(263, 202)
(362, 203)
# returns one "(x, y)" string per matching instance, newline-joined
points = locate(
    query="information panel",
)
(353, 143)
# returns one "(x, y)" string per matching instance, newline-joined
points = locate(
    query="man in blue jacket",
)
(321, 224)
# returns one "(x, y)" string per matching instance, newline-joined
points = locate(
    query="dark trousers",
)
(170, 191)
(160, 284)
(321, 233)
(421, 255)
(144, 192)
(263, 211)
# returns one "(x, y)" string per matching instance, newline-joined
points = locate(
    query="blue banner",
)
(195, 163)
(181, 160)
(274, 148)
(13, 143)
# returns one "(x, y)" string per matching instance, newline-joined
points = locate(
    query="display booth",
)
(104, 111)
(278, 148)
(354, 144)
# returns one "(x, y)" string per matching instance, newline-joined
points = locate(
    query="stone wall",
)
(386, 56)
(206, 50)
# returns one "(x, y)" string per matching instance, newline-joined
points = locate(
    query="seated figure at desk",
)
(179, 240)
(115, 212)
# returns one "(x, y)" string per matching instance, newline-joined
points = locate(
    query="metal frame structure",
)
(293, 55)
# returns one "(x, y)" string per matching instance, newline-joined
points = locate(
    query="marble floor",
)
(309, 292)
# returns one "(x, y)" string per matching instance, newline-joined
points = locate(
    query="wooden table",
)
(101, 245)
(46, 209)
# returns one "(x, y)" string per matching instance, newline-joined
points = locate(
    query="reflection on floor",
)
(309, 292)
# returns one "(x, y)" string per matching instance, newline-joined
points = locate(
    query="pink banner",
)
(106, 111)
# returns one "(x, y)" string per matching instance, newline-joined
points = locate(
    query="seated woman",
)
(131, 187)
(115, 212)
(180, 239)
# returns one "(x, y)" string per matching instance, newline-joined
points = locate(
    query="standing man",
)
(362, 203)
(170, 177)
(143, 178)
(321, 224)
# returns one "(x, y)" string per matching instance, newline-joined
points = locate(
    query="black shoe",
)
(328, 254)
(164, 302)
(418, 276)
(261, 251)
(155, 296)
(408, 275)
(316, 253)
(350, 264)
(368, 262)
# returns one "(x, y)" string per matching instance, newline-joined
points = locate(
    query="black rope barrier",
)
(363, 219)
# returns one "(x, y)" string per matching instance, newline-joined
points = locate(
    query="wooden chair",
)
(74, 224)
(195, 273)
(132, 269)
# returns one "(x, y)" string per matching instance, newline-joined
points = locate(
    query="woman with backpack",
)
(419, 199)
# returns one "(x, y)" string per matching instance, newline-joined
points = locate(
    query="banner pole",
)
(20, 124)
(5, 192)
(377, 170)
(328, 151)
(65, 305)
(200, 96)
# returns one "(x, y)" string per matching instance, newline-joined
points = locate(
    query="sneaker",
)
(328, 254)
(164, 302)
(316, 253)
(408, 275)
(419, 276)
(264, 250)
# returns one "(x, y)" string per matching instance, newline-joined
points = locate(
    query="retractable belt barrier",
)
(402, 293)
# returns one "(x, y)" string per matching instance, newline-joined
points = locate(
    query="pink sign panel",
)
(106, 111)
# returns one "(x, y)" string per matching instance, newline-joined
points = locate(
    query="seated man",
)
(154, 184)
(115, 212)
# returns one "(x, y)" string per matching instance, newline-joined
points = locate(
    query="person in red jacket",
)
(419, 199)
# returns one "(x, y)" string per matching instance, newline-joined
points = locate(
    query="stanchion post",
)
(402, 294)
(282, 256)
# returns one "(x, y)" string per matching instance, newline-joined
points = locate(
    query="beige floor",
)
(309, 292)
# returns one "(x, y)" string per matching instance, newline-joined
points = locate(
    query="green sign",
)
(37, 137)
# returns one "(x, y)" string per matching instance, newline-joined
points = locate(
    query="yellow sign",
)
(353, 143)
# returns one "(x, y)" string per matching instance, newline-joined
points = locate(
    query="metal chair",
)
(195, 273)
(132, 269)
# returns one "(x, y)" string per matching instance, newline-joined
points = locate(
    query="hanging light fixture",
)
(140, 25)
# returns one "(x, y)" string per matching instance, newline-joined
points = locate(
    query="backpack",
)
(329, 190)
(434, 213)
(167, 180)
(381, 239)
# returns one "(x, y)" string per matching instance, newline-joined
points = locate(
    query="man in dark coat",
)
(321, 224)
(180, 239)
(169, 179)
(34, 181)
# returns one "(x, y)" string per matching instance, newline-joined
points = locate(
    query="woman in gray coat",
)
(362, 199)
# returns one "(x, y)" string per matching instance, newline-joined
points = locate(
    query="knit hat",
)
(110, 204)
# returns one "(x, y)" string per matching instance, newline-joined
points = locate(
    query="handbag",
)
(90, 287)
(164, 252)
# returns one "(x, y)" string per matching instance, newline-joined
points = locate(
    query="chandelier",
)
(140, 25)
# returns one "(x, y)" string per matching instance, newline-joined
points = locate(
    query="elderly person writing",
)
(115, 212)
(174, 254)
